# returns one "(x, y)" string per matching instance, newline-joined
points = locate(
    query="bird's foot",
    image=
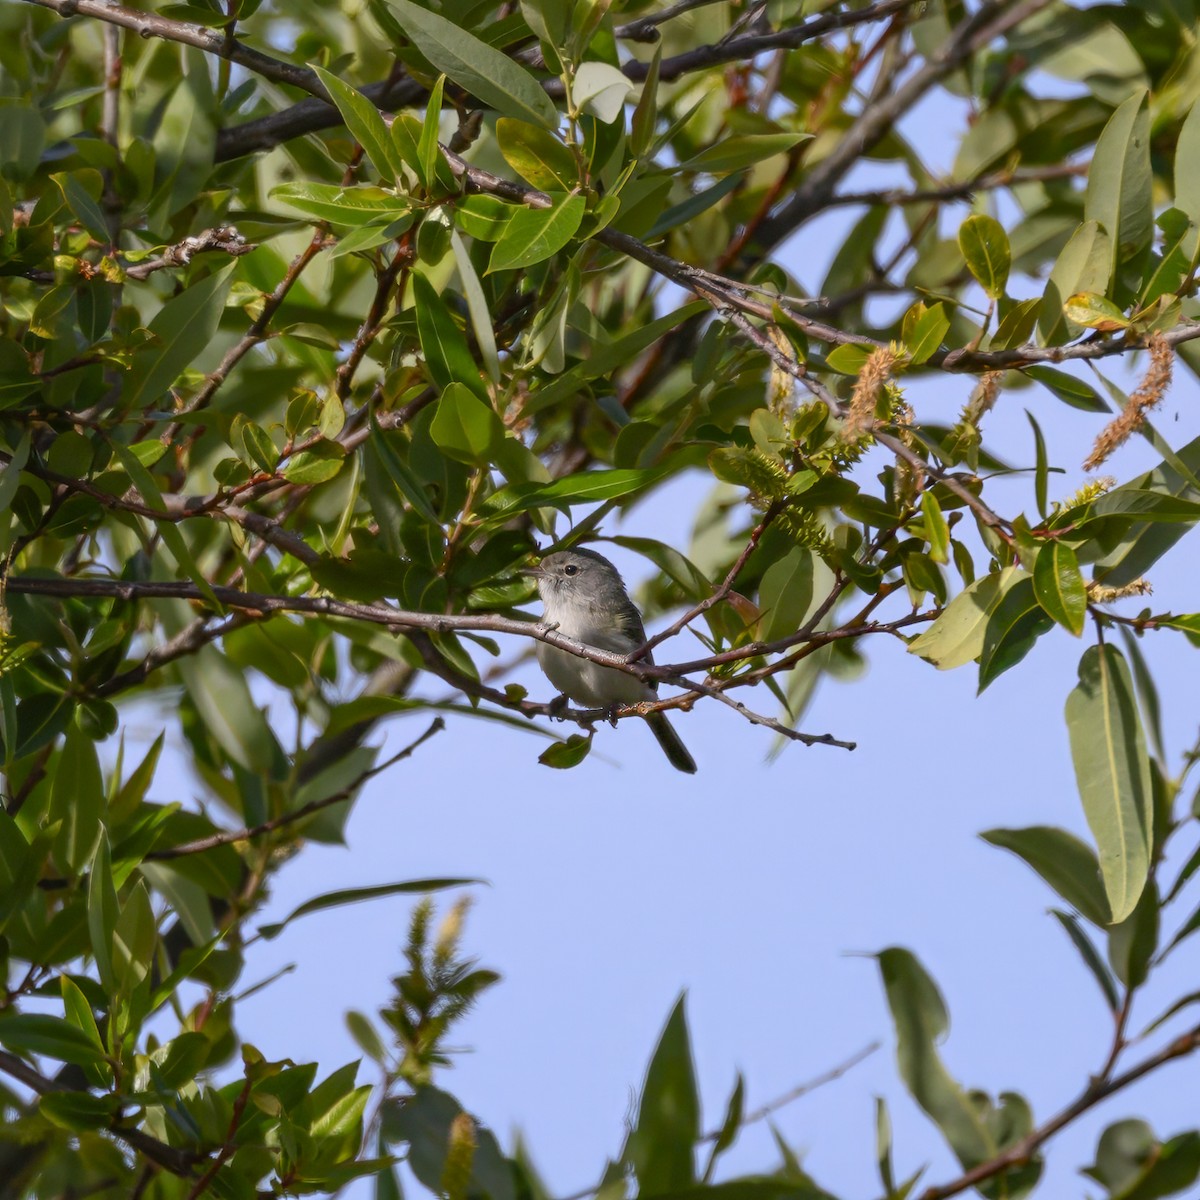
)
(557, 706)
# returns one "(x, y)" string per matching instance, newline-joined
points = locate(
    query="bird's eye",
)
(572, 569)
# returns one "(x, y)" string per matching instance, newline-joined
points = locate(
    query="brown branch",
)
(224, 239)
(645, 29)
(311, 114)
(1021, 1151)
(150, 25)
(747, 47)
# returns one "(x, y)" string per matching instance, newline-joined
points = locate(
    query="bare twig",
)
(802, 1089)
(224, 239)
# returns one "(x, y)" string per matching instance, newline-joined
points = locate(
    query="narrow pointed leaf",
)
(1112, 770)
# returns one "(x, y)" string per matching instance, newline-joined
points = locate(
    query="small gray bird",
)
(584, 599)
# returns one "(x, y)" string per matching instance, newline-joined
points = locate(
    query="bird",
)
(584, 598)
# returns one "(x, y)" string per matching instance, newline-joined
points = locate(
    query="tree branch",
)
(149, 25)
(1021, 1151)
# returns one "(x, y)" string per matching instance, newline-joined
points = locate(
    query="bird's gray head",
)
(579, 578)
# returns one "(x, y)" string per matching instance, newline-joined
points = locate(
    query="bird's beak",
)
(532, 572)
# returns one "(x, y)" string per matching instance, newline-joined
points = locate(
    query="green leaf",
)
(1119, 181)
(180, 330)
(687, 210)
(133, 791)
(537, 155)
(423, 1122)
(1041, 483)
(1187, 166)
(134, 939)
(1058, 584)
(1132, 942)
(984, 245)
(465, 427)
(406, 482)
(1068, 389)
(482, 217)
(1091, 958)
(365, 125)
(1084, 265)
(10, 476)
(344, 896)
(848, 358)
(475, 66)
(353, 206)
(367, 1037)
(1133, 1165)
(78, 1112)
(254, 444)
(222, 698)
(568, 753)
(443, 343)
(1112, 770)
(318, 464)
(1146, 543)
(1067, 864)
(605, 358)
(661, 1145)
(645, 115)
(1013, 627)
(40, 1033)
(580, 488)
(921, 1022)
(102, 913)
(427, 144)
(534, 234)
(923, 330)
(77, 799)
(83, 204)
(956, 637)
(785, 594)
(937, 532)
(730, 1126)
(20, 865)
(477, 306)
(744, 150)
(600, 90)
(1094, 312)
(1017, 325)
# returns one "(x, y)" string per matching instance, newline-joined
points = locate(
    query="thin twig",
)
(229, 837)
(803, 1089)
(224, 239)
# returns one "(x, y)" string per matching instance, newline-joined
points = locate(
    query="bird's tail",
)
(670, 741)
